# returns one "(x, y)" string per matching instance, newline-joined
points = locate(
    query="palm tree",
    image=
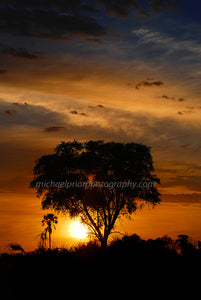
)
(49, 220)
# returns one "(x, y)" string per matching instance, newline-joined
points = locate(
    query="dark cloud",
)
(17, 104)
(9, 112)
(194, 78)
(148, 84)
(144, 13)
(54, 129)
(116, 36)
(123, 8)
(60, 21)
(167, 97)
(74, 112)
(29, 115)
(66, 19)
(172, 98)
(69, 5)
(185, 146)
(164, 5)
(192, 182)
(95, 107)
(19, 53)
(3, 71)
(118, 8)
(93, 41)
(182, 198)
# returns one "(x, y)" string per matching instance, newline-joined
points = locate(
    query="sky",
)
(86, 70)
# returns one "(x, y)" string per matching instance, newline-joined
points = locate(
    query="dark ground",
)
(128, 268)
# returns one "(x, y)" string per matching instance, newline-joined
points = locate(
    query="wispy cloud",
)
(171, 43)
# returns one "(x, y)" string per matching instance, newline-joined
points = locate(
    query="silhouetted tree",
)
(100, 205)
(16, 247)
(43, 239)
(49, 220)
(185, 246)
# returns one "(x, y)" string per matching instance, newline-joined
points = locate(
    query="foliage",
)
(15, 247)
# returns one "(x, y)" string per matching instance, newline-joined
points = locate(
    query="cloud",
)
(54, 129)
(95, 107)
(93, 41)
(29, 115)
(166, 42)
(9, 112)
(192, 182)
(74, 112)
(185, 145)
(194, 78)
(164, 5)
(58, 21)
(64, 20)
(148, 84)
(3, 71)
(172, 98)
(124, 8)
(171, 139)
(118, 8)
(194, 198)
(167, 97)
(143, 127)
(19, 53)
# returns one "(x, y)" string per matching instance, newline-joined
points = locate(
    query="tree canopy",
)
(93, 180)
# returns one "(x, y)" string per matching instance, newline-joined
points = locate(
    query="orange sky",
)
(143, 71)
(21, 215)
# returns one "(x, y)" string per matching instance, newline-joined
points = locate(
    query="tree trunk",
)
(104, 242)
(49, 240)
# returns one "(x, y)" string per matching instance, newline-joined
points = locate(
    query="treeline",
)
(130, 244)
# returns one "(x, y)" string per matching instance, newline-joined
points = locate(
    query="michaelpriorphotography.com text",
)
(95, 184)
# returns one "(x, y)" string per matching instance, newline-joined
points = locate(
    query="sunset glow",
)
(117, 71)
(77, 230)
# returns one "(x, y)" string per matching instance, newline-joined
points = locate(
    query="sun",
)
(77, 230)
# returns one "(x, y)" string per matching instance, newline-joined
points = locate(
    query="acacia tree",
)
(98, 205)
